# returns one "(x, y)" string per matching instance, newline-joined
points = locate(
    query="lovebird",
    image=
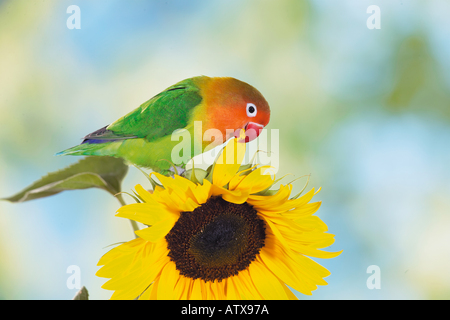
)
(144, 137)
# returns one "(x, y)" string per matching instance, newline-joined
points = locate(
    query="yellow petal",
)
(174, 183)
(308, 272)
(133, 290)
(152, 292)
(289, 293)
(234, 182)
(235, 196)
(257, 180)
(275, 200)
(202, 192)
(228, 162)
(204, 289)
(313, 252)
(266, 282)
(175, 202)
(210, 291)
(130, 247)
(273, 230)
(196, 291)
(297, 231)
(117, 266)
(238, 177)
(178, 194)
(134, 283)
(169, 277)
(265, 209)
(245, 286)
(146, 213)
(219, 290)
(146, 294)
(181, 288)
(291, 204)
(232, 291)
(312, 223)
(306, 267)
(303, 211)
(292, 236)
(145, 195)
(158, 230)
(280, 265)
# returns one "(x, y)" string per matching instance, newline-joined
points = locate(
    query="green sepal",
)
(135, 198)
(196, 175)
(306, 184)
(145, 174)
(209, 173)
(268, 192)
(138, 196)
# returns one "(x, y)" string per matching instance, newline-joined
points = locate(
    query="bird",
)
(143, 137)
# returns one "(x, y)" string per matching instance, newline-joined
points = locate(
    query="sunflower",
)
(228, 236)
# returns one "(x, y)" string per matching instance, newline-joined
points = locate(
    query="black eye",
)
(251, 110)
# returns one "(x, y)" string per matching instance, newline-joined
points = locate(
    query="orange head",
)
(231, 105)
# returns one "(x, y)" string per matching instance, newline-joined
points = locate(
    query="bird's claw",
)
(177, 169)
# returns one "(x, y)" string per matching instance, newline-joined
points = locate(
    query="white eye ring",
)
(251, 110)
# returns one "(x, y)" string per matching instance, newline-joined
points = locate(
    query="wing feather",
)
(161, 115)
(155, 118)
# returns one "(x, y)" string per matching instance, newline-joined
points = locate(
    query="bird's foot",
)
(177, 169)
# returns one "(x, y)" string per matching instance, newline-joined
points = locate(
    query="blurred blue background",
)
(366, 112)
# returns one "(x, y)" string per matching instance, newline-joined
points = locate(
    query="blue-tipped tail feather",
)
(103, 148)
(102, 142)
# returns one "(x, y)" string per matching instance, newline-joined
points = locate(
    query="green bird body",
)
(143, 137)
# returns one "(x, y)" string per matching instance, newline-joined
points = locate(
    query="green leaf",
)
(82, 294)
(105, 173)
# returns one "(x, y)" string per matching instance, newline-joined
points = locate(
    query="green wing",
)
(159, 116)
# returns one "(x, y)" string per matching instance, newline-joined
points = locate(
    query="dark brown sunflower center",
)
(216, 240)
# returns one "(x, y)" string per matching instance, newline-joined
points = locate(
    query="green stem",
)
(133, 223)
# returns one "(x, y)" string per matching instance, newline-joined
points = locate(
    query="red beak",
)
(252, 131)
